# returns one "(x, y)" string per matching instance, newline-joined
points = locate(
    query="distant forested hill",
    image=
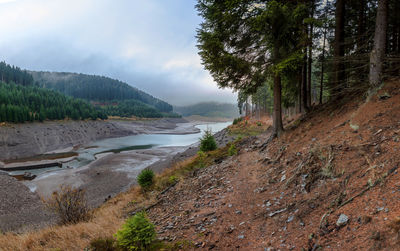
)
(209, 109)
(19, 103)
(14, 74)
(97, 88)
(22, 100)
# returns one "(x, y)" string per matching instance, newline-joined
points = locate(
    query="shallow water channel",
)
(90, 152)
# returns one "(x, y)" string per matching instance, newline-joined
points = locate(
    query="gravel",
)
(20, 209)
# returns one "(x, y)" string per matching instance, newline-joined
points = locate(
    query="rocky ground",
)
(19, 208)
(330, 182)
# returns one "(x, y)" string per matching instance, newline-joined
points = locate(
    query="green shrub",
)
(173, 179)
(202, 156)
(107, 244)
(232, 150)
(146, 178)
(207, 142)
(138, 233)
(259, 123)
(237, 120)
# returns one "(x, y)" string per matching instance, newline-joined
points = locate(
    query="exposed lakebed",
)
(97, 149)
(106, 167)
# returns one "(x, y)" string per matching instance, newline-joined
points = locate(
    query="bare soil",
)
(339, 162)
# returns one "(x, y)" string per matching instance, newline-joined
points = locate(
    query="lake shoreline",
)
(18, 141)
(107, 176)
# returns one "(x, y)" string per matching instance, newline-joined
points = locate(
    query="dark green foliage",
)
(20, 103)
(138, 233)
(96, 88)
(146, 178)
(209, 109)
(237, 120)
(129, 108)
(207, 142)
(107, 244)
(14, 74)
(232, 150)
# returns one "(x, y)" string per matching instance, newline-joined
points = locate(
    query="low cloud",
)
(148, 44)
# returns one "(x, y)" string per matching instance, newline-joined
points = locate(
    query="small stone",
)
(283, 177)
(240, 237)
(364, 219)
(290, 219)
(238, 212)
(342, 221)
(384, 96)
(376, 235)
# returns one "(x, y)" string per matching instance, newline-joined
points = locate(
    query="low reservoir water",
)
(88, 153)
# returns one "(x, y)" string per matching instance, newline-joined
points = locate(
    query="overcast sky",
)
(149, 44)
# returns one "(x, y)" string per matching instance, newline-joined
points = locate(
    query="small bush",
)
(232, 150)
(173, 179)
(107, 244)
(146, 178)
(237, 120)
(201, 158)
(259, 123)
(138, 233)
(207, 142)
(69, 204)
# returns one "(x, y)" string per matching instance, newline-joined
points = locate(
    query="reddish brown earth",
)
(289, 194)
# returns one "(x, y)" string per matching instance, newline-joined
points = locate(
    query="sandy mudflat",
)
(104, 177)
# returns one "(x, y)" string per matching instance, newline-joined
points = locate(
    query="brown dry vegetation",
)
(339, 159)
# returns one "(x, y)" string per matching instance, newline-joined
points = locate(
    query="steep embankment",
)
(25, 140)
(330, 182)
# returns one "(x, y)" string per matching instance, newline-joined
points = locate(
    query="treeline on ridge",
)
(97, 88)
(20, 103)
(14, 74)
(131, 107)
(24, 99)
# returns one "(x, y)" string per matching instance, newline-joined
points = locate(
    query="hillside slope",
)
(96, 88)
(209, 109)
(330, 181)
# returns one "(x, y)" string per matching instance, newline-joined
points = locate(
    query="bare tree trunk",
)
(361, 26)
(310, 45)
(338, 48)
(304, 92)
(277, 117)
(299, 80)
(322, 68)
(378, 52)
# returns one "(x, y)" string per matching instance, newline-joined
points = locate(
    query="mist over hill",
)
(209, 109)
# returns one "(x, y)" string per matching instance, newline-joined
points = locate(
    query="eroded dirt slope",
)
(330, 181)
